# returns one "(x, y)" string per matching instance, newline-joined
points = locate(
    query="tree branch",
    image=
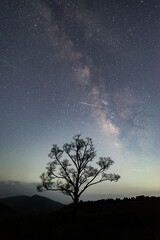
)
(65, 171)
(87, 185)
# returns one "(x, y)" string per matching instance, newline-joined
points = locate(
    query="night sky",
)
(80, 66)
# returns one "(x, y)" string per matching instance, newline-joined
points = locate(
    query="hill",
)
(35, 203)
(5, 210)
(127, 219)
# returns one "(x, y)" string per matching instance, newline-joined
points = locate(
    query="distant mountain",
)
(31, 204)
(5, 210)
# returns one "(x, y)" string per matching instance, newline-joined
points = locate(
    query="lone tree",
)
(72, 177)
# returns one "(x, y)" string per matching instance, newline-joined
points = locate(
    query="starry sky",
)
(80, 66)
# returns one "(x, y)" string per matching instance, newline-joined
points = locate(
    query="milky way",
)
(81, 66)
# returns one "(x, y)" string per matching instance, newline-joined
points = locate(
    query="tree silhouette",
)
(72, 177)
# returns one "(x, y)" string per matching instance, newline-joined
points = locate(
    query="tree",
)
(72, 177)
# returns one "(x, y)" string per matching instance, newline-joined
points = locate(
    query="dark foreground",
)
(130, 219)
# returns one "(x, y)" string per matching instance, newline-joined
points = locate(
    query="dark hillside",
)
(128, 219)
(28, 204)
(5, 210)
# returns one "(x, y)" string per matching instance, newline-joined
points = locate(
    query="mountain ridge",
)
(35, 203)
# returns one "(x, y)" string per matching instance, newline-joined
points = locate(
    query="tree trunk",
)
(75, 207)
